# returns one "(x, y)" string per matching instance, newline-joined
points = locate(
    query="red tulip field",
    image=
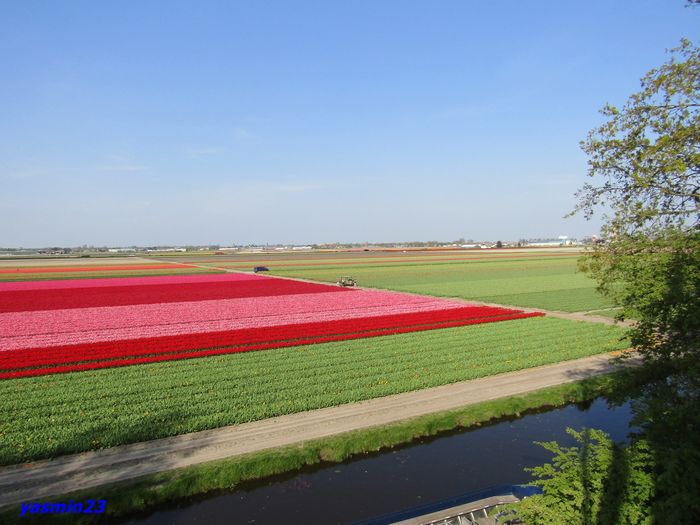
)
(58, 326)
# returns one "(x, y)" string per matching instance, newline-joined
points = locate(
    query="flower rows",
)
(62, 299)
(218, 344)
(194, 328)
(250, 335)
(58, 328)
(107, 282)
(257, 310)
(112, 267)
(60, 334)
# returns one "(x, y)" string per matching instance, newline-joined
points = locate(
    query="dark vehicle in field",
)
(257, 269)
(346, 281)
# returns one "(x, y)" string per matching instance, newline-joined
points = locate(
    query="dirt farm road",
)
(42, 479)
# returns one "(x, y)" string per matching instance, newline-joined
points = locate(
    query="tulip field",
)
(95, 357)
(547, 279)
(82, 268)
(56, 414)
(51, 327)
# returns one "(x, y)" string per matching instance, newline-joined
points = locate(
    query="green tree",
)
(595, 482)
(645, 158)
(644, 162)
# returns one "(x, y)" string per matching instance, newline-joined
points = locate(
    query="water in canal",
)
(425, 471)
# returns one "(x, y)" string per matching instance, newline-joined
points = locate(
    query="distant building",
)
(562, 240)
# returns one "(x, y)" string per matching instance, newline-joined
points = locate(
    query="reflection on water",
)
(425, 471)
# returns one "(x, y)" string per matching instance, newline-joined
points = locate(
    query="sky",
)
(153, 123)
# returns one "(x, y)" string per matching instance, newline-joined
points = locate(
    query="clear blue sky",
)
(136, 122)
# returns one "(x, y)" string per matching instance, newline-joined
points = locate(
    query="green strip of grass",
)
(550, 283)
(169, 487)
(374, 263)
(60, 414)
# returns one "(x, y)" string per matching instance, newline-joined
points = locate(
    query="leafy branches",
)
(656, 281)
(646, 163)
(645, 157)
(595, 482)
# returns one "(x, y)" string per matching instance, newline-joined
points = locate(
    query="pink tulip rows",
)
(100, 358)
(239, 337)
(62, 337)
(259, 310)
(282, 313)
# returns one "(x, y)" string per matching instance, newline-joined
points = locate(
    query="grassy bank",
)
(167, 488)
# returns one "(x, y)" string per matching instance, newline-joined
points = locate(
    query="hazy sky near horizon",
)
(300, 122)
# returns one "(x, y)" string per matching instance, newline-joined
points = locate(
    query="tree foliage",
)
(668, 419)
(596, 482)
(644, 159)
(657, 282)
(645, 165)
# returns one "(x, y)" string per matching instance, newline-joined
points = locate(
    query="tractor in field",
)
(346, 281)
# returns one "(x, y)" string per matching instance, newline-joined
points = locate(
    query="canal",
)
(424, 471)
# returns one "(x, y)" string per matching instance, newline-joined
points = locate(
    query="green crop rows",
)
(551, 283)
(53, 415)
